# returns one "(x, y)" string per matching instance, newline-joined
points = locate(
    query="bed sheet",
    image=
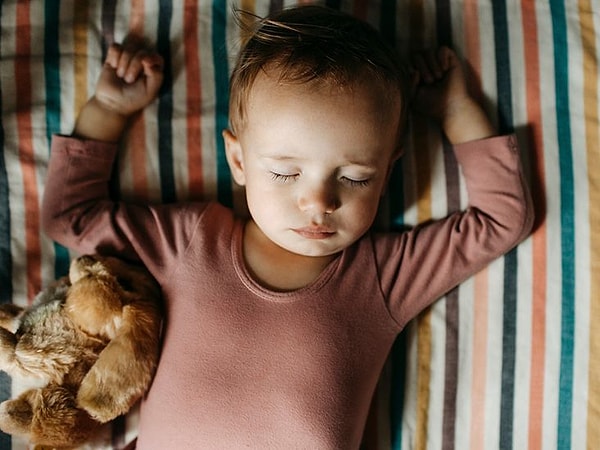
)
(511, 358)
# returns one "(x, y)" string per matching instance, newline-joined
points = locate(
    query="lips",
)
(314, 232)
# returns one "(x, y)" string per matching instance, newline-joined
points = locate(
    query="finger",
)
(132, 45)
(422, 68)
(152, 63)
(432, 61)
(124, 60)
(447, 58)
(112, 55)
(135, 67)
(153, 70)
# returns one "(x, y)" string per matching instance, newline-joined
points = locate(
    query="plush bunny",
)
(91, 340)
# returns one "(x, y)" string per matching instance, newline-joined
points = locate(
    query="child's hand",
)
(130, 78)
(442, 94)
(441, 83)
(129, 81)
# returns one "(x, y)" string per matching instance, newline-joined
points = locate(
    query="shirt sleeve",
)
(419, 266)
(77, 210)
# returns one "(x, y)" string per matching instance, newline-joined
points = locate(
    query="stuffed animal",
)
(91, 340)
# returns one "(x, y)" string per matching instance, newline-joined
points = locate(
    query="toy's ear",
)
(125, 367)
(10, 315)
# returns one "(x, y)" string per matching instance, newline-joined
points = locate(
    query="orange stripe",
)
(80, 24)
(590, 80)
(538, 314)
(136, 134)
(480, 289)
(26, 153)
(479, 362)
(194, 100)
(136, 18)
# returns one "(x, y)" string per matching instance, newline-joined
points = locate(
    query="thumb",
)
(153, 71)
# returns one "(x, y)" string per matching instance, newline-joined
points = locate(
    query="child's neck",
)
(275, 267)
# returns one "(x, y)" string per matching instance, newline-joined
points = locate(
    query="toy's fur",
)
(91, 339)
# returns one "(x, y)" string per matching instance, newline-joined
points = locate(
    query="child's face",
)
(314, 162)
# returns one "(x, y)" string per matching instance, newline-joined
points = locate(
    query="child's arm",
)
(77, 208)
(419, 266)
(129, 80)
(443, 95)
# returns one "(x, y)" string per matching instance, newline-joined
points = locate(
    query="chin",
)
(316, 251)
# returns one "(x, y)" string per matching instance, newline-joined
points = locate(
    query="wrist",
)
(100, 122)
(465, 120)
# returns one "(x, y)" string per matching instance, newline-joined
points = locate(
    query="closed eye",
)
(356, 183)
(283, 178)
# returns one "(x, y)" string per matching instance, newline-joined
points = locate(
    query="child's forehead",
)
(379, 98)
(271, 81)
(282, 114)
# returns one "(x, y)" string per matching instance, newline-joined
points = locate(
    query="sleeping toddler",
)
(278, 325)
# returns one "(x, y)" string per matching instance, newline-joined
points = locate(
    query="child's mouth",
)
(314, 232)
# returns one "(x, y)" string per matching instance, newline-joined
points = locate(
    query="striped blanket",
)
(511, 358)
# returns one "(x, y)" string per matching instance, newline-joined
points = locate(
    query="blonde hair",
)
(314, 44)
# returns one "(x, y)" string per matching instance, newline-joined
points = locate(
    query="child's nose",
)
(319, 200)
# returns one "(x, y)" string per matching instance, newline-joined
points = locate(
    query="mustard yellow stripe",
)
(423, 184)
(248, 5)
(590, 98)
(247, 20)
(423, 170)
(423, 379)
(422, 176)
(80, 42)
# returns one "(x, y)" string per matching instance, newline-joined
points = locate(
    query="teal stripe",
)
(396, 206)
(387, 21)
(6, 288)
(567, 200)
(53, 103)
(219, 47)
(165, 105)
(398, 367)
(387, 28)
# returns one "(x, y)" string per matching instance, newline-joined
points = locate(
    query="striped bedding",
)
(511, 358)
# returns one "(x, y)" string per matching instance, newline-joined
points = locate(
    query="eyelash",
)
(282, 178)
(356, 183)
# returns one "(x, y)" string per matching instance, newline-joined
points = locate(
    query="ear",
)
(124, 369)
(234, 154)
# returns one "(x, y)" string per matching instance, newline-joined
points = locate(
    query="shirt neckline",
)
(269, 294)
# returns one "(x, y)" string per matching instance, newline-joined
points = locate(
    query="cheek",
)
(363, 209)
(264, 201)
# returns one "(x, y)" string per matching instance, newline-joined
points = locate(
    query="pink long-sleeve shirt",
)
(246, 367)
